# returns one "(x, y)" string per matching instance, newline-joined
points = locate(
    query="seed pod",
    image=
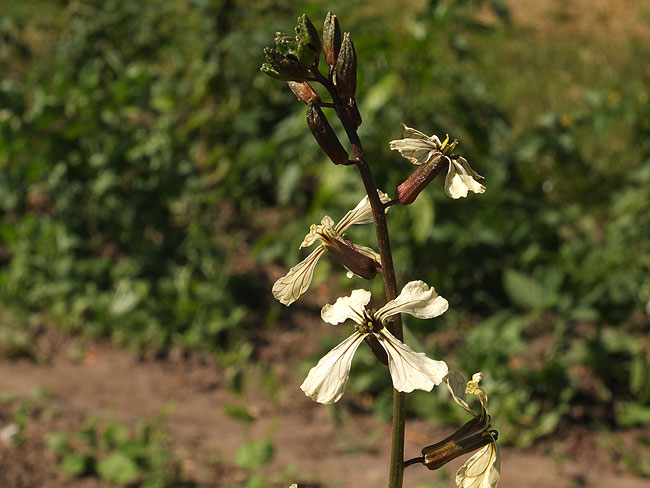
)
(303, 91)
(345, 70)
(408, 191)
(331, 38)
(283, 67)
(324, 134)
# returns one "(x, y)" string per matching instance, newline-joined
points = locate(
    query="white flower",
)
(422, 149)
(482, 469)
(409, 370)
(288, 288)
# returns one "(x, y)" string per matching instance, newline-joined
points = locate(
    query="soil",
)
(321, 449)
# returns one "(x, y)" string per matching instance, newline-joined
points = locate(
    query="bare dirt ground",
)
(323, 450)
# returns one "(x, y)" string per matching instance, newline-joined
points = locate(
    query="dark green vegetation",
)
(145, 163)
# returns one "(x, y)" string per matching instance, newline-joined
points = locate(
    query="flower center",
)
(370, 325)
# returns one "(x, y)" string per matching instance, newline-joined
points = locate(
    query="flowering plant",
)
(296, 61)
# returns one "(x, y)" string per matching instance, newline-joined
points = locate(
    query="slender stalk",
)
(396, 473)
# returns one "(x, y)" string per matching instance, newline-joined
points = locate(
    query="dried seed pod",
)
(324, 134)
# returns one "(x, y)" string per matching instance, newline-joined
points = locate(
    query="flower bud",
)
(303, 91)
(345, 70)
(470, 437)
(408, 191)
(308, 41)
(331, 38)
(347, 254)
(324, 134)
(283, 67)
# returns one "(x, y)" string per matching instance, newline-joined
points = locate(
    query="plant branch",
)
(390, 284)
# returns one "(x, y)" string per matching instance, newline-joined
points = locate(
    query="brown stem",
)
(390, 284)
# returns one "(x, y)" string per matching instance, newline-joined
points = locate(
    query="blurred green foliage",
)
(144, 160)
(117, 456)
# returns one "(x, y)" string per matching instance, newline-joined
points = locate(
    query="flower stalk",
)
(296, 60)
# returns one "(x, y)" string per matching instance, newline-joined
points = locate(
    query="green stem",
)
(396, 473)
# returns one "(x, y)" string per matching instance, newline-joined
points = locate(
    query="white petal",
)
(461, 178)
(316, 230)
(288, 288)
(326, 381)
(344, 308)
(410, 370)
(361, 214)
(417, 299)
(409, 132)
(481, 470)
(417, 151)
(456, 386)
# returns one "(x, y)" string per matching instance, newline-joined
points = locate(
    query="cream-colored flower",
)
(409, 370)
(288, 288)
(421, 149)
(482, 469)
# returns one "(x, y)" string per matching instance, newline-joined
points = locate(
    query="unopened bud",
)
(408, 191)
(470, 437)
(345, 70)
(283, 67)
(331, 38)
(303, 91)
(324, 134)
(307, 36)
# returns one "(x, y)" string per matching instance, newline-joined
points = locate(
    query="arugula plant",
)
(296, 59)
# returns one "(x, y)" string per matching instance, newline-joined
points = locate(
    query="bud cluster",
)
(294, 57)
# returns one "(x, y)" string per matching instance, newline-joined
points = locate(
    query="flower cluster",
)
(296, 60)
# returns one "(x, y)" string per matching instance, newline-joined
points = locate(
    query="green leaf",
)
(254, 454)
(526, 292)
(239, 412)
(118, 468)
(77, 464)
(630, 414)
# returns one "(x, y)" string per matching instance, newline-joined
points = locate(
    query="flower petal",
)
(288, 288)
(481, 470)
(461, 178)
(456, 386)
(409, 132)
(361, 214)
(326, 381)
(316, 230)
(410, 370)
(417, 151)
(417, 299)
(344, 308)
